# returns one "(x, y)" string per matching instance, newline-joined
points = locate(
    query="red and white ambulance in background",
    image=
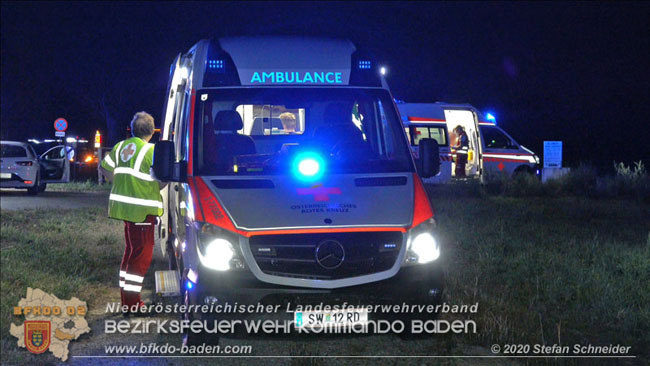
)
(490, 147)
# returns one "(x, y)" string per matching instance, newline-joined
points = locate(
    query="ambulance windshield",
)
(258, 131)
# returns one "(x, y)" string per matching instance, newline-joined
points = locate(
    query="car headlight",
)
(218, 249)
(422, 247)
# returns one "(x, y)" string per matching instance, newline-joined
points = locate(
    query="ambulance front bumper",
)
(412, 285)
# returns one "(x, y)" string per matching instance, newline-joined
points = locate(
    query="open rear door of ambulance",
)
(468, 119)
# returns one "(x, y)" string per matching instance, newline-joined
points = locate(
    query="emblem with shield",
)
(37, 335)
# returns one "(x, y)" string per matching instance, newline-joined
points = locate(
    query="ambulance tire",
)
(523, 169)
(195, 339)
(42, 186)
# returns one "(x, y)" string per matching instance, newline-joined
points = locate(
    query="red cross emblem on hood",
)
(319, 192)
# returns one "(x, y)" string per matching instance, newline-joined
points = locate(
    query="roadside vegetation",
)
(86, 186)
(628, 181)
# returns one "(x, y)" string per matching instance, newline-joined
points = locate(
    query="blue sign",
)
(552, 154)
(60, 124)
(297, 77)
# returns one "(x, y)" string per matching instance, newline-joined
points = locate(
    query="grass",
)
(87, 186)
(549, 270)
(544, 269)
(64, 252)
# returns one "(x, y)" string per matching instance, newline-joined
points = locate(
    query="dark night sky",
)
(577, 72)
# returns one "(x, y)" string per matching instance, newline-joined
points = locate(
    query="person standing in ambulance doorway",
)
(135, 199)
(462, 149)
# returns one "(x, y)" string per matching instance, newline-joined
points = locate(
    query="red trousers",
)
(137, 258)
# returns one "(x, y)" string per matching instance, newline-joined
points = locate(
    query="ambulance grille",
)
(294, 255)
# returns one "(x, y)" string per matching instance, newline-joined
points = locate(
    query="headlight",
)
(218, 254)
(422, 246)
(218, 248)
(425, 247)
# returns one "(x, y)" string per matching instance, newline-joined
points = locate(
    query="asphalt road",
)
(19, 200)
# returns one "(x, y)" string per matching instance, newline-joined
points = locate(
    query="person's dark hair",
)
(142, 125)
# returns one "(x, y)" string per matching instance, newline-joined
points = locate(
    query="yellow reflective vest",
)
(135, 194)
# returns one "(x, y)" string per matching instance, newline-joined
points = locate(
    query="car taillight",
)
(24, 163)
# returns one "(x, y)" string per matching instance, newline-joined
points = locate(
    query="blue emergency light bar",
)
(490, 117)
(364, 65)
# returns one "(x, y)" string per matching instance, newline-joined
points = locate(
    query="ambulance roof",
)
(433, 112)
(281, 53)
(283, 60)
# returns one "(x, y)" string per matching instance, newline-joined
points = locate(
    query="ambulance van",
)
(491, 149)
(292, 183)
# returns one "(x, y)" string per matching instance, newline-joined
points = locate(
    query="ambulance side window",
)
(437, 133)
(495, 139)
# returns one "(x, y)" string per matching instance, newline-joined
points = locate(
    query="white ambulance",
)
(292, 182)
(490, 147)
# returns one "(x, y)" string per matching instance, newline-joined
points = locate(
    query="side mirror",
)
(429, 161)
(165, 166)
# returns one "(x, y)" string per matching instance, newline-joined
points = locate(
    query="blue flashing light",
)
(490, 117)
(364, 65)
(215, 64)
(308, 166)
(189, 285)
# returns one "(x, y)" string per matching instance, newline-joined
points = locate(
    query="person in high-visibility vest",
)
(135, 199)
(462, 149)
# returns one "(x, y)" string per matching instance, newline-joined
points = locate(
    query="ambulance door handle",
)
(176, 187)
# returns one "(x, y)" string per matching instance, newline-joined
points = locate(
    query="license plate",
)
(311, 319)
(5, 175)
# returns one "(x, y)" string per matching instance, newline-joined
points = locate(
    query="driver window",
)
(495, 139)
(55, 153)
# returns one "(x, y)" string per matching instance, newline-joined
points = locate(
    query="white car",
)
(23, 168)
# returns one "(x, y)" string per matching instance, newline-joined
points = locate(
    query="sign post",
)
(98, 156)
(60, 125)
(553, 161)
(552, 154)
